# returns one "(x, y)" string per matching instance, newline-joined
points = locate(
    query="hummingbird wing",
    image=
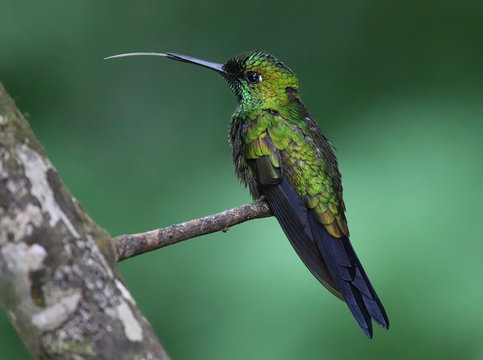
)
(292, 216)
(264, 160)
(317, 237)
(322, 191)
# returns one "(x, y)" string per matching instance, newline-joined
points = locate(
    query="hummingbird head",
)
(258, 77)
(255, 77)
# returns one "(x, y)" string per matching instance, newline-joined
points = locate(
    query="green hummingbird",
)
(282, 156)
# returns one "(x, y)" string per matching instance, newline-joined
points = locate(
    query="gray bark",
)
(58, 279)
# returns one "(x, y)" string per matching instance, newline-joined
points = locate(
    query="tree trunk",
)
(59, 284)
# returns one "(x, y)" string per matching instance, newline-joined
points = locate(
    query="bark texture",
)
(58, 279)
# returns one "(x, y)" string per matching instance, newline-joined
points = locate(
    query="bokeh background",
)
(142, 143)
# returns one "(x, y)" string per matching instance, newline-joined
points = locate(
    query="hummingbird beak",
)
(183, 58)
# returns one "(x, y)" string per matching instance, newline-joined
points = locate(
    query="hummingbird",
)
(282, 156)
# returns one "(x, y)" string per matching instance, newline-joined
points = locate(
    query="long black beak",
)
(184, 58)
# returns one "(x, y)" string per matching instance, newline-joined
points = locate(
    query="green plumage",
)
(269, 114)
(280, 153)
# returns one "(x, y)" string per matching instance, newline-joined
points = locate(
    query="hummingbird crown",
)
(258, 77)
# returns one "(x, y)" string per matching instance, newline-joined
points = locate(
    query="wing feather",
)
(331, 259)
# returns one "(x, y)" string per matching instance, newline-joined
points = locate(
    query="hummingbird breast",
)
(268, 146)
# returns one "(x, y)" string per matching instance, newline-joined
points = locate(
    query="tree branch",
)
(59, 284)
(131, 245)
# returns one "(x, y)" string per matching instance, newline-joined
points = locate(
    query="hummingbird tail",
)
(331, 260)
(350, 277)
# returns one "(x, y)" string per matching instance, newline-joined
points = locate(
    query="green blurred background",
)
(142, 143)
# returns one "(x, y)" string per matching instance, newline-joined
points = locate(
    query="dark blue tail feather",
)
(331, 260)
(350, 277)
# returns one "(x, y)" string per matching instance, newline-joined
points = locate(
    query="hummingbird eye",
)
(253, 77)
